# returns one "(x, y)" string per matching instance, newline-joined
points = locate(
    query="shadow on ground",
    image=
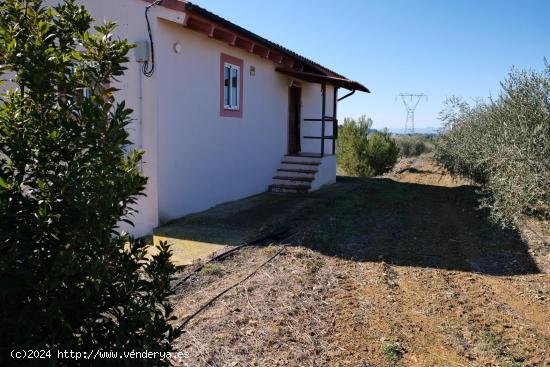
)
(260, 218)
(376, 219)
(417, 225)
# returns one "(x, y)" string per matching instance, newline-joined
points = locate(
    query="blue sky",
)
(441, 48)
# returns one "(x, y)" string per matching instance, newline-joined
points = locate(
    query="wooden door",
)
(294, 116)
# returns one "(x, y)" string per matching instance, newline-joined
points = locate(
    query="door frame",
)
(298, 117)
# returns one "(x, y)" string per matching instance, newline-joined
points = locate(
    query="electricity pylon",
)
(411, 101)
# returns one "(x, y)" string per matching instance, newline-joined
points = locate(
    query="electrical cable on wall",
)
(149, 70)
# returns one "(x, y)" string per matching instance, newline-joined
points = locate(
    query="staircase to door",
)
(295, 174)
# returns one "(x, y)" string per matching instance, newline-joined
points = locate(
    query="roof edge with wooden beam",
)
(201, 20)
(323, 79)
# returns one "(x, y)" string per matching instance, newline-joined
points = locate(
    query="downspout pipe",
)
(139, 92)
(139, 112)
(142, 66)
(347, 95)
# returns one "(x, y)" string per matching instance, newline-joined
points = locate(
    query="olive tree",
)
(504, 144)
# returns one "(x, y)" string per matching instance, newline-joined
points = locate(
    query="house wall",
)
(326, 174)
(129, 16)
(194, 157)
(205, 158)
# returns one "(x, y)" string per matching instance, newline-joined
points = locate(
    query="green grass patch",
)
(494, 344)
(392, 352)
(212, 269)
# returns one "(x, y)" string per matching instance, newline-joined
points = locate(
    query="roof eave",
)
(288, 59)
(324, 79)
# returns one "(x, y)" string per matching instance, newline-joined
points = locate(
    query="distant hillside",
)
(420, 130)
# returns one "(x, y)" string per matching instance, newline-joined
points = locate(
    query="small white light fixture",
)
(177, 47)
(252, 70)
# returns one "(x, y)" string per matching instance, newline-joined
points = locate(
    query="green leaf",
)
(4, 184)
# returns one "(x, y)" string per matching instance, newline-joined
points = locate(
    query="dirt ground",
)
(401, 270)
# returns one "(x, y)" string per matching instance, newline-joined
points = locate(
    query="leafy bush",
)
(405, 147)
(67, 280)
(414, 145)
(364, 154)
(504, 144)
(382, 152)
(419, 148)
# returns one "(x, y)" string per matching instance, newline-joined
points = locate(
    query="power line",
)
(149, 69)
(411, 101)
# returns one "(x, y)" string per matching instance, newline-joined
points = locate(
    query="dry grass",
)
(386, 275)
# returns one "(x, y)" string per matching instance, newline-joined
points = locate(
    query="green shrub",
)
(68, 281)
(414, 145)
(405, 147)
(364, 154)
(504, 144)
(419, 148)
(382, 152)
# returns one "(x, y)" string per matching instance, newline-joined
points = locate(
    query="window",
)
(231, 86)
(232, 75)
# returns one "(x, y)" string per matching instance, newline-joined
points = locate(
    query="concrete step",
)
(298, 166)
(297, 171)
(294, 158)
(288, 188)
(292, 180)
(295, 174)
(284, 181)
(301, 162)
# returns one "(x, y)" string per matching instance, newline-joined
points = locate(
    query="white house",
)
(226, 113)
